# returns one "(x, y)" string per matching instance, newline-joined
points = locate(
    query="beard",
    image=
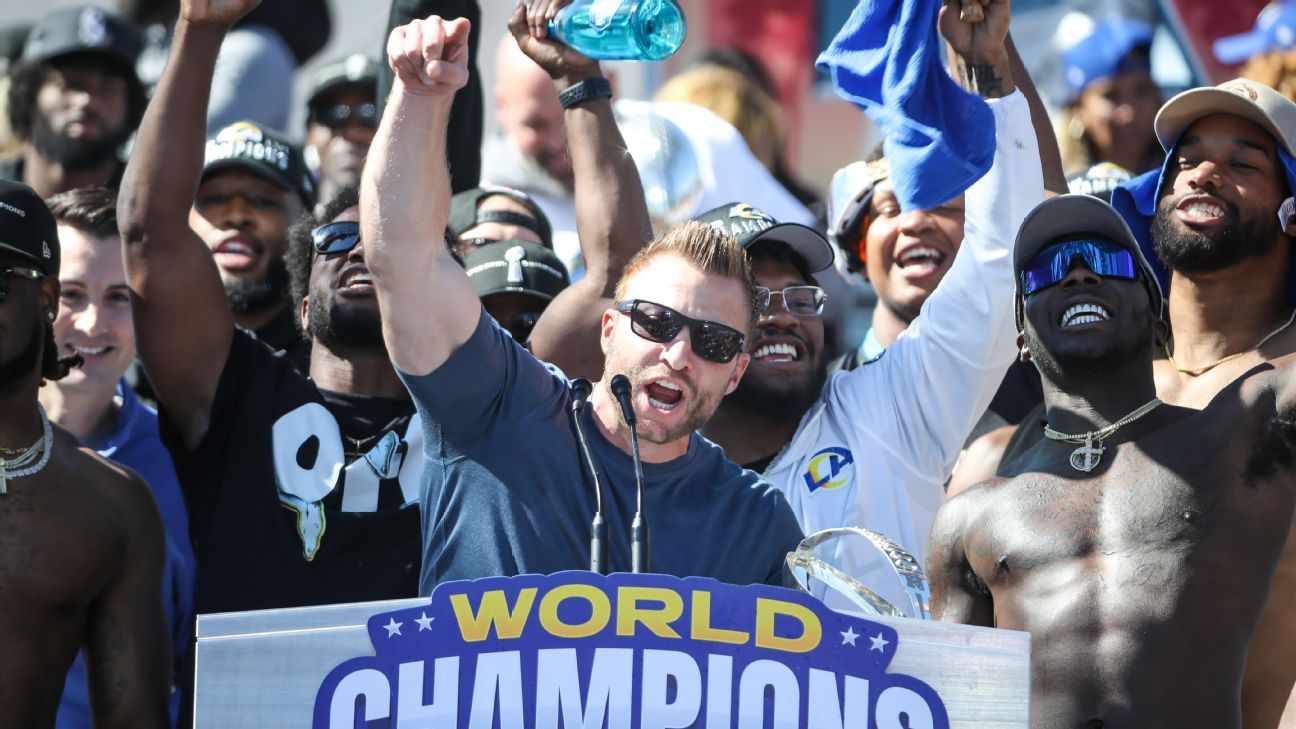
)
(76, 154)
(254, 295)
(699, 408)
(18, 367)
(1191, 251)
(778, 403)
(339, 327)
(1084, 362)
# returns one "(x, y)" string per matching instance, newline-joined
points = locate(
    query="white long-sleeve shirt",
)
(878, 446)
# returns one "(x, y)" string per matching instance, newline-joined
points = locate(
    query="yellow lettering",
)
(600, 611)
(494, 611)
(656, 619)
(767, 610)
(701, 628)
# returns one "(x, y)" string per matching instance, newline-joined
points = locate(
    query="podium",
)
(297, 667)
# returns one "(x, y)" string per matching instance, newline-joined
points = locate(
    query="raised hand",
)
(976, 29)
(216, 12)
(430, 57)
(558, 60)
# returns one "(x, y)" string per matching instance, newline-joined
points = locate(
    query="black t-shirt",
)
(276, 517)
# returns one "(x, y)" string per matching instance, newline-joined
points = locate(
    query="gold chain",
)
(1210, 365)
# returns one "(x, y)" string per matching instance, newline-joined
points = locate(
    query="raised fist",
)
(216, 12)
(430, 57)
(976, 29)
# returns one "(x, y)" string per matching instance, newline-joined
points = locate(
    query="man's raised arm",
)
(183, 324)
(611, 215)
(429, 308)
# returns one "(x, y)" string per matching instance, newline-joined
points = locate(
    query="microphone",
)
(581, 390)
(639, 527)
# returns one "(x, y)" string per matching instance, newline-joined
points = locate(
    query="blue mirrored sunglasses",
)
(1052, 264)
(337, 237)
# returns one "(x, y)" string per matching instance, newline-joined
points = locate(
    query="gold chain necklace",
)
(1086, 457)
(1210, 365)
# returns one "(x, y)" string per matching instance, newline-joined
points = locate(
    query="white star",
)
(424, 622)
(392, 627)
(849, 635)
(879, 643)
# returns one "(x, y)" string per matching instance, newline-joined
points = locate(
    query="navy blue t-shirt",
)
(504, 492)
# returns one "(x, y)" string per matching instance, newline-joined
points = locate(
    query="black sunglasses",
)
(656, 323)
(521, 325)
(335, 117)
(30, 274)
(336, 237)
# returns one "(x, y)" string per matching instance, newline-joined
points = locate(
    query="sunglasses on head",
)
(335, 117)
(656, 323)
(337, 237)
(798, 300)
(1052, 264)
(30, 274)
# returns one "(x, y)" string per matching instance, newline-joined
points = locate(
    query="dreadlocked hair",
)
(54, 369)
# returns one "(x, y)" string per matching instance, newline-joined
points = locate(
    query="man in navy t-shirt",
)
(503, 489)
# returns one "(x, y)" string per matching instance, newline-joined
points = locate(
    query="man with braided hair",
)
(81, 542)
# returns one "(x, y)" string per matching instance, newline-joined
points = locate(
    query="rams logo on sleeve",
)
(830, 468)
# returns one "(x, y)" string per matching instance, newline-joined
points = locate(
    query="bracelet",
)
(583, 91)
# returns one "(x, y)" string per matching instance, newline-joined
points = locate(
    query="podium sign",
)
(579, 649)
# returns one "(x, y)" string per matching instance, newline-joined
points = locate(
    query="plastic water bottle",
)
(621, 30)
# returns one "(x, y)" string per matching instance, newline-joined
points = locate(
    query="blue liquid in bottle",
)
(621, 30)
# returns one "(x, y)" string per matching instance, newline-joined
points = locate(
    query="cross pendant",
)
(1086, 457)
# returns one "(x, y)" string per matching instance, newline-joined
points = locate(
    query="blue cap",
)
(1102, 54)
(1275, 29)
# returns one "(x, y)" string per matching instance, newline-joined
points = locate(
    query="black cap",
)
(464, 215)
(749, 225)
(518, 267)
(248, 145)
(354, 70)
(1069, 217)
(1099, 181)
(84, 30)
(27, 227)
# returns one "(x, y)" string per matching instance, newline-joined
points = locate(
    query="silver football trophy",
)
(859, 569)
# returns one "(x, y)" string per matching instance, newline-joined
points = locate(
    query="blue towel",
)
(886, 60)
(1136, 201)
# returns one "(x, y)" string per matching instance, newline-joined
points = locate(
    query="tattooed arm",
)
(128, 645)
(980, 54)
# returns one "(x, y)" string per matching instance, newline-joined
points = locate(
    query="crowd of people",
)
(239, 373)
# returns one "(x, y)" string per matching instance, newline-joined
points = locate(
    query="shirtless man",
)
(1138, 565)
(81, 545)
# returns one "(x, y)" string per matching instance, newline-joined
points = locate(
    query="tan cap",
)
(1248, 99)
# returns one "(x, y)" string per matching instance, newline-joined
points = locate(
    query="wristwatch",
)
(580, 92)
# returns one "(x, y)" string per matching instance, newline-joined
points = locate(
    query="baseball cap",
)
(518, 267)
(84, 30)
(1105, 52)
(354, 70)
(27, 227)
(1275, 29)
(1069, 216)
(248, 145)
(464, 214)
(1099, 180)
(748, 225)
(849, 197)
(1242, 97)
